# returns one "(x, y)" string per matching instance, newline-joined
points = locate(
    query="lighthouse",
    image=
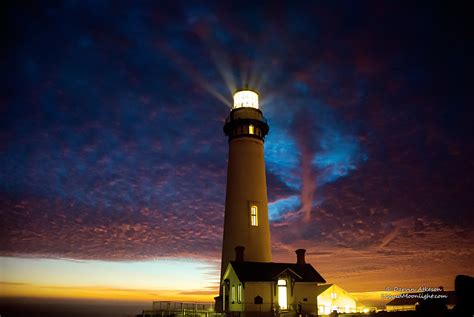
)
(246, 205)
(250, 281)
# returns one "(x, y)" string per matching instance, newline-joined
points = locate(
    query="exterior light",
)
(245, 98)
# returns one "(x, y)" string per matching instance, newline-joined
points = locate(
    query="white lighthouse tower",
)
(250, 282)
(246, 206)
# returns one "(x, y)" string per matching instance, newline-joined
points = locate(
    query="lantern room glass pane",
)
(245, 99)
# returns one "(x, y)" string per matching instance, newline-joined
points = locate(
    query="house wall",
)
(306, 291)
(343, 303)
(234, 305)
(267, 291)
(262, 289)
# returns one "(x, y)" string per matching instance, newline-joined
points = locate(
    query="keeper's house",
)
(268, 287)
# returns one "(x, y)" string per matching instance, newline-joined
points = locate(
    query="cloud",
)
(14, 284)
(112, 143)
(212, 291)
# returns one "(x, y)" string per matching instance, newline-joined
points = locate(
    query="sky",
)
(113, 158)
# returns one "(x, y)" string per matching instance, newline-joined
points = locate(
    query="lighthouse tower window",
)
(251, 129)
(254, 216)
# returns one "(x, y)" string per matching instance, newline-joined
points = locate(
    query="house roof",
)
(269, 271)
(322, 288)
(402, 301)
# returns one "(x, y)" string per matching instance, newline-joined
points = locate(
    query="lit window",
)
(254, 216)
(251, 129)
(232, 293)
(333, 295)
(321, 309)
(239, 293)
(282, 295)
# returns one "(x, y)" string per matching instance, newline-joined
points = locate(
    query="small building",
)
(265, 288)
(402, 304)
(331, 298)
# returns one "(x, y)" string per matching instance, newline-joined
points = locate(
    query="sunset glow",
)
(114, 160)
(148, 280)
